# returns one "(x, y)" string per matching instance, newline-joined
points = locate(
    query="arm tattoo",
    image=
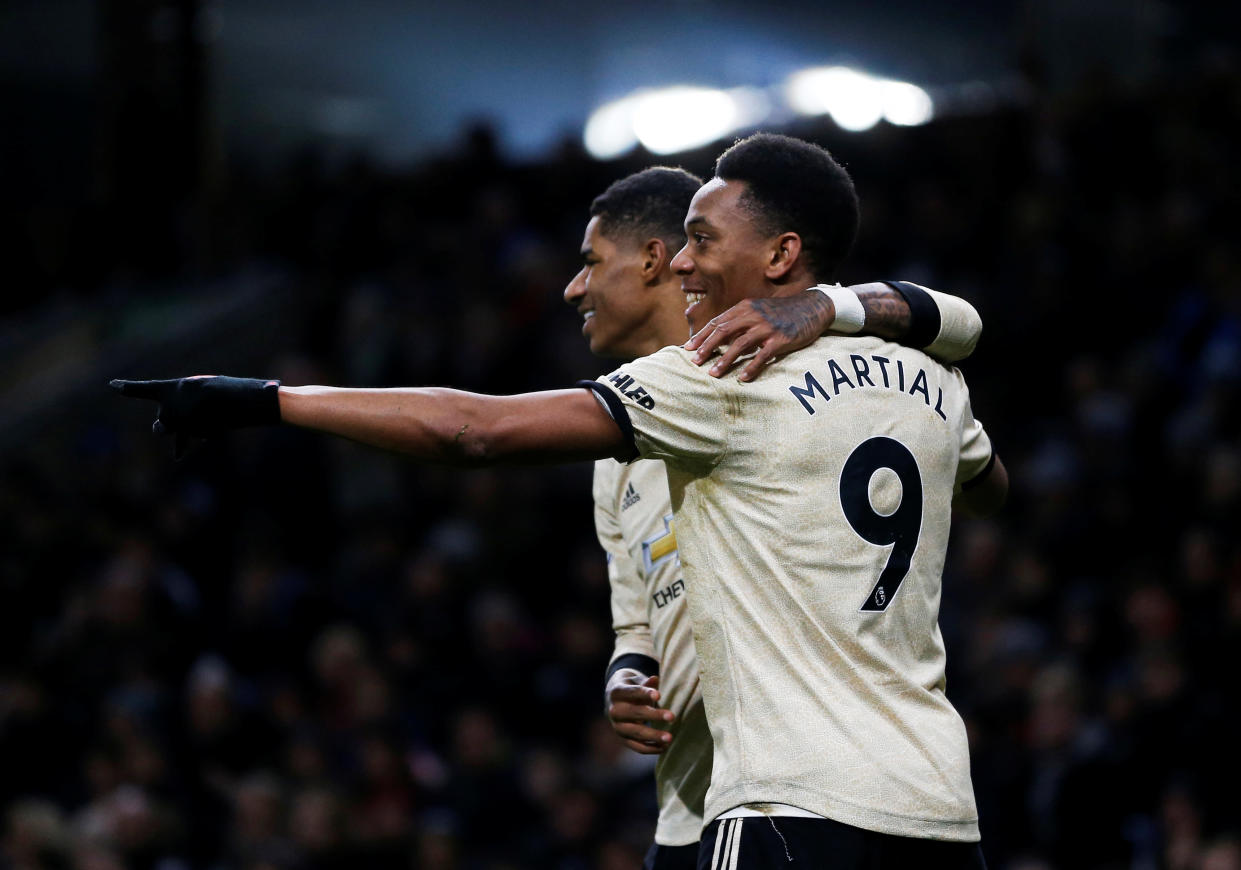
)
(801, 318)
(797, 318)
(887, 312)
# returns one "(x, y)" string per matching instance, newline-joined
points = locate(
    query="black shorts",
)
(671, 857)
(763, 842)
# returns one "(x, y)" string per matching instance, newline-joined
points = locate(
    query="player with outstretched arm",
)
(632, 305)
(813, 507)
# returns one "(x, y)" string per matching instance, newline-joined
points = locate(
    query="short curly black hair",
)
(648, 204)
(796, 186)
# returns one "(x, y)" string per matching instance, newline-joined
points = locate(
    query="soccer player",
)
(813, 506)
(632, 305)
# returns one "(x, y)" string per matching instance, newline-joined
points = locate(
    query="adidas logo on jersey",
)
(631, 498)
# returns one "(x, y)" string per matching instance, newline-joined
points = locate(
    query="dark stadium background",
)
(290, 652)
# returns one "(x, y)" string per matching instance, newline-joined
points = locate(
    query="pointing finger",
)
(153, 390)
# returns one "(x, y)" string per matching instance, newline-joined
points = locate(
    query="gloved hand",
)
(205, 405)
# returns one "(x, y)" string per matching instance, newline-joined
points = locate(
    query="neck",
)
(667, 322)
(796, 281)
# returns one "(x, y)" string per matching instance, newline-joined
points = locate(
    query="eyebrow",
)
(695, 221)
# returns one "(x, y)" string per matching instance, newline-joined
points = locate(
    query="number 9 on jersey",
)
(900, 528)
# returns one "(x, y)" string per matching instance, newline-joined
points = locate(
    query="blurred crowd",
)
(292, 653)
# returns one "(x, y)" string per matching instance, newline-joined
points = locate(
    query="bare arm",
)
(777, 326)
(459, 428)
(887, 313)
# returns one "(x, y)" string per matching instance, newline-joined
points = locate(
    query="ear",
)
(785, 254)
(655, 259)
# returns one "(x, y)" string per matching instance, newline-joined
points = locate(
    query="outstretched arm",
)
(460, 428)
(947, 327)
(433, 424)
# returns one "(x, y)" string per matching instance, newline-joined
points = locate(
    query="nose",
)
(682, 264)
(576, 288)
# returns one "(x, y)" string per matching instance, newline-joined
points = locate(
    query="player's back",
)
(813, 538)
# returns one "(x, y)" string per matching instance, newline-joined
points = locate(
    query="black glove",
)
(206, 405)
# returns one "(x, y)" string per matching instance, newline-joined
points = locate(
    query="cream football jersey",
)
(812, 509)
(633, 518)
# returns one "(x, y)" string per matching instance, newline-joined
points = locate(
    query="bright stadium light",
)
(679, 118)
(609, 130)
(850, 97)
(855, 100)
(814, 91)
(906, 105)
(752, 106)
(857, 109)
(673, 119)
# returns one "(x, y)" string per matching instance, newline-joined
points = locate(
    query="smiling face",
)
(725, 258)
(619, 314)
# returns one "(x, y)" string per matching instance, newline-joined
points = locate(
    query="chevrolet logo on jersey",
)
(623, 382)
(661, 547)
(671, 593)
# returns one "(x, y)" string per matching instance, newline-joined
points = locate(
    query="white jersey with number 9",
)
(812, 511)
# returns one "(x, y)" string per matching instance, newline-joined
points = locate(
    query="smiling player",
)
(812, 508)
(632, 304)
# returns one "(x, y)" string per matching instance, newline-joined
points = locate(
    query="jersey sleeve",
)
(630, 620)
(670, 408)
(952, 325)
(977, 454)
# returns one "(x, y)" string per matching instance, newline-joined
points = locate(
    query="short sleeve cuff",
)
(980, 476)
(616, 410)
(924, 317)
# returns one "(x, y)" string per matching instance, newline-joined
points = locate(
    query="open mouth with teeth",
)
(692, 300)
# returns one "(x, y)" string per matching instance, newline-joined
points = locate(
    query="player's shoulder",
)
(869, 345)
(673, 357)
(607, 470)
(669, 369)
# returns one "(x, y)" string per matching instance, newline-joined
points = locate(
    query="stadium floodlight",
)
(850, 97)
(752, 106)
(609, 130)
(679, 118)
(672, 119)
(906, 105)
(857, 101)
(817, 90)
